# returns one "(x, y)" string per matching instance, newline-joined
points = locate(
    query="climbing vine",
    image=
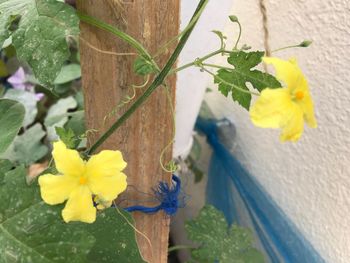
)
(42, 121)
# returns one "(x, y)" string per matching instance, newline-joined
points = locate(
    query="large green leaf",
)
(27, 148)
(5, 166)
(31, 231)
(115, 238)
(41, 36)
(243, 73)
(218, 242)
(11, 118)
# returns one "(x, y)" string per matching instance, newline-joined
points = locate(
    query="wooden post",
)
(107, 79)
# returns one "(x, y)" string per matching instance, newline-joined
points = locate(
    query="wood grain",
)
(107, 80)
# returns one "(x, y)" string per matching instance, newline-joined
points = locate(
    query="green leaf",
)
(3, 69)
(41, 36)
(27, 147)
(5, 166)
(115, 238)
(68, 73)
(57, 116)
(29, 102)
(77, 123)
(11, 118)
(68, 137)
(143, 67)
(31, 231)
(218, 242)
(243, 73)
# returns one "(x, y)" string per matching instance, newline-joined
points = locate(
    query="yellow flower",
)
(79, 180)
(287, 107)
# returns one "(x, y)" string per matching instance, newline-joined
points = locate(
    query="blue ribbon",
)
(168, 197)
(281, 239)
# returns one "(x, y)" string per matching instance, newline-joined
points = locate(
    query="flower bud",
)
(305, 43)
(233, 18)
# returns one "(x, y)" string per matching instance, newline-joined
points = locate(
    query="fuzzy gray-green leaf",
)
(27, 148)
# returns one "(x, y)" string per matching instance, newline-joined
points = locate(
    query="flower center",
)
(299, 95)
(82, 180)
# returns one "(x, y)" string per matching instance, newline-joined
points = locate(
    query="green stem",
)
(179, 247)
(157, 82)
(283, 48)
(115, 31)
(239, 34)
(216, 66)
(229, 84)
(199, 60)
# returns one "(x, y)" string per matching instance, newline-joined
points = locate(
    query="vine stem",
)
(157, 81)
(115, 31)
(287, 47)
(199, 60)
(239, 34)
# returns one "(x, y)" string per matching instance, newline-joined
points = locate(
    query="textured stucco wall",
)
(310, 179)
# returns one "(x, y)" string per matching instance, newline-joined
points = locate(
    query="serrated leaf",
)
(143, 66)
(40, 39)
(68, 137)
(11, 118)
(27, 147)
(31, 231)
(77, 123)
(243, 73)
(218, 242)
(29, 102)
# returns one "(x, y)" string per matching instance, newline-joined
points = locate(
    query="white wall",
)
(310, 179)
(191, 83)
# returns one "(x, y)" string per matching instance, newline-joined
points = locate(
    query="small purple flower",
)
(19, 81)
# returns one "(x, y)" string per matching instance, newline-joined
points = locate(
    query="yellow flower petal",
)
(270, 108)
(104, 174)
(308, 108)
(67, 161)
(80, 206)
(106, 163)
(287, 71)
(108, 187)
(55, 189)
(294, 125)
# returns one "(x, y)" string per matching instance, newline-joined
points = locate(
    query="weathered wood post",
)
(107, 79)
